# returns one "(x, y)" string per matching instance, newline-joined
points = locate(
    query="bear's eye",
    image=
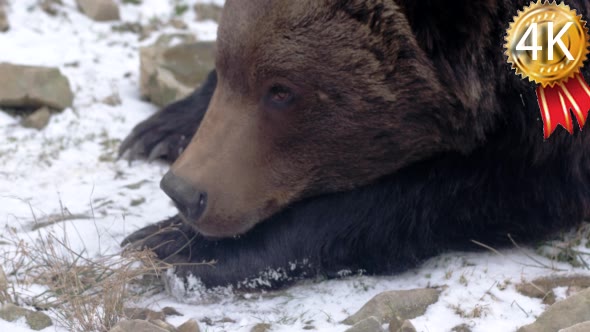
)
(280, 95)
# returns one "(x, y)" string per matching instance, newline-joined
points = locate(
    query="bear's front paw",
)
(171, 240)
(156, 138)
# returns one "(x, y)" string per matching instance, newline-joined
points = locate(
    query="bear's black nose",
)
(190, 201)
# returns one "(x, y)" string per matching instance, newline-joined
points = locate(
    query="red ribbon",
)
(557, 101)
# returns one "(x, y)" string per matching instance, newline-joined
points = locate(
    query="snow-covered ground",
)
(69, 168)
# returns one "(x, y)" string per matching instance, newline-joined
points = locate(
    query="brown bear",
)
(359, 135)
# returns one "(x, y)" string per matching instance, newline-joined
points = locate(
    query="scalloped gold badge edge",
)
(510, 35)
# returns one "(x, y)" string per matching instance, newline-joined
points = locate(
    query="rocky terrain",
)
(75, 77)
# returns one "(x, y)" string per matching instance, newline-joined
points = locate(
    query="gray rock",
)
(261, 328)
(189, 326)
(50, 6)
(136, 326)
(10, 312)
(461, 328)
(174, 66)
(403, 305)
(582, 327)
(34, 87)
(100, 10)
(169, 311)
(208, 11)
(143, 314)
(4, 25)
(542, 288)
(573, 310)
(370, 324)
(395, 324)
(162, 324)
(408, 327)
(38, 119)
(36, 320)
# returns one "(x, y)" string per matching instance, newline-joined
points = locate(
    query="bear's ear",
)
(359, 9)
(443, 28)
(365, 11)
(442, 21)
(381, 17)
(444, 8)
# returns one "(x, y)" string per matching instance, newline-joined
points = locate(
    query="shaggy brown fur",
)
(405, 132)
(359, 75)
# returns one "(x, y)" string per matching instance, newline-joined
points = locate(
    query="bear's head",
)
(313, 96)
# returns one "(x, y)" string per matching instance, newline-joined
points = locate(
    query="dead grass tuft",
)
(570, 247)
(83, 293)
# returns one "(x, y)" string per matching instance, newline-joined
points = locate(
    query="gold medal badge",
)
(548, 44)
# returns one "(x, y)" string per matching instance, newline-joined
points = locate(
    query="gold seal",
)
(547, 43)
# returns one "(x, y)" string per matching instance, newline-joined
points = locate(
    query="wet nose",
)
(190, 201)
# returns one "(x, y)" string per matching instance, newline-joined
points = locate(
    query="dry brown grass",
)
(83, 293)
(570, 247)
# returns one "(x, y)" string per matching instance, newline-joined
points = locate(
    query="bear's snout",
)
(190, 201)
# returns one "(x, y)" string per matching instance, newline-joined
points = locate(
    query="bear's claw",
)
(151, 140)
(160, 150)
(167, 133)
(168, 239)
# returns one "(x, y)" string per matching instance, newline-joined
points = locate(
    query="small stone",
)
(112, 100)
(178, 24)
(408, 327)
(136, 326)
(406, 304)
(370, 324)
(542, 288)
(207, 321)
(34, 87)
(49, 6)
(225, 320)
(549, 298)
(582, 327)
(573, 310)
(261, 328)
(38, 119)
(10, 312)
(189, 326)
(36, 320)
(100, 10)
(73, 64)
(4, 25)
(169, 311)
(208, 11)
(461, 328)
(143, 314)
